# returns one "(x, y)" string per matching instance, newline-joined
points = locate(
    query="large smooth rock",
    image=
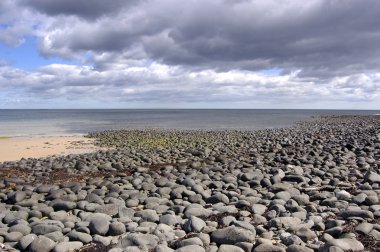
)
(232, 235)
(148, 215)
(285, 222)
(194, 224)
(42, 229)
(191, 248)
(79, 236)
(13, 236)
(265, 247)
(99, 226)
(26, 241)
(229, 248)
(345, 244)
(42, 244)
(63, 205)
(116, 228)
(372, 177)
(67, 246)
(137, 239)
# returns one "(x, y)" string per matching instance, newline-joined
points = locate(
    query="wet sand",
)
(36, 147)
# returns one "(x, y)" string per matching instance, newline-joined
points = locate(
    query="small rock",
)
(148, 215)
(232, 235)
(42, 244)
(25, 241)
(67, 246)
(229, 248)
(79, 236)
(265, 247)
(191, 248)
(194, 224)
(346, 244)
(13, 236)
(364, 228)
(116, 228)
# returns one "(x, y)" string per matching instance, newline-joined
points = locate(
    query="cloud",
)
(87, 9)
(159, 84)
(194, 51)
(323, 37)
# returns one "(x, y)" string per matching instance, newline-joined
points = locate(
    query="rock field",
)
(312, 187)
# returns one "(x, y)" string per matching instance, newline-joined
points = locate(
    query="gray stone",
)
(265, 247)
(13, 216)
(116, 228)
(191, 248)
(194, 224)
(101, 239)
(56, 236)
(188, 242)
(13, 236)
(298, 248)
(197, 212)
(42, 229)
(109, 209)
(375, 234)
(372, 177)
(285, 222)
(163, 248)
(99, 226)
(246, 246)
(306, 234)
(169, 219)
(135, 239)
(259, 209)
(24, 229)
(229, 248)
(216, 198)
(42, 244)
(79, 236)
(133, 249)
(125, 212)
(346, 244)
(67, 246)
(364, 228)
(245, 225)
(63, 205)
(148, 215)
(232, 235)
(164, 232)
(17, 196)
(357, 213)
(25, 241)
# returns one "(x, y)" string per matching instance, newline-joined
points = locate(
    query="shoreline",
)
(18, 147)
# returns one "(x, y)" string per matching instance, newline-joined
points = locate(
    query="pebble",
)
(67, 246)
(232, 235)
(191, 248)
(41, 244)
(229, 248)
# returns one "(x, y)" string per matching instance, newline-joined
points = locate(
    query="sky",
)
(315, 54)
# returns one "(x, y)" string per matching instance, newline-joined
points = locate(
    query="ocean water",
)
(81, 121)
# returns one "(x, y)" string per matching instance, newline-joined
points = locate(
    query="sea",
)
(61, 122)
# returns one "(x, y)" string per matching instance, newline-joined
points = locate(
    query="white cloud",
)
(157, 83)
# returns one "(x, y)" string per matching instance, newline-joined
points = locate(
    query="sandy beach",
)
(15, 148)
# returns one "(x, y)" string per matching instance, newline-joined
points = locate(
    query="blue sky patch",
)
(27, 57)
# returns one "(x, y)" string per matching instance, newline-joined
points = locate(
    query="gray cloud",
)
(323, 37)
(87, 9)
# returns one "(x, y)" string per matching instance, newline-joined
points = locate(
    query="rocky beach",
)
(311, 187)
